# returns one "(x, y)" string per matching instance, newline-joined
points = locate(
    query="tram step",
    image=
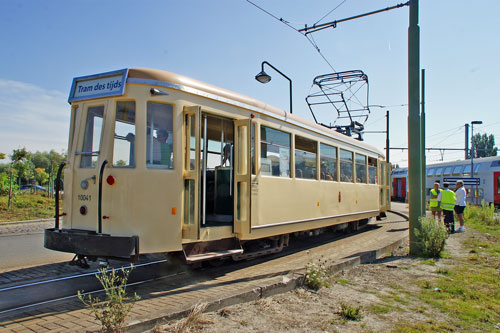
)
(201, 251)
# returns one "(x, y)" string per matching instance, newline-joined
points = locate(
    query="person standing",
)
(460, 197)
(433, 202)
(446, 198)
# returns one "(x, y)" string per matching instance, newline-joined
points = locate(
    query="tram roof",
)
(162, 78)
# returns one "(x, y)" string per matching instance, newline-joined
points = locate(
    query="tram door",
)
(208, 172)
(496, 187)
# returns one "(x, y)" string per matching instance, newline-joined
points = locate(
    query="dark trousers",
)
(449, 220)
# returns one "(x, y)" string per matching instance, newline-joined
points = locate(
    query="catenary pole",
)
(414, 132)
(422, 147)
(387, 146)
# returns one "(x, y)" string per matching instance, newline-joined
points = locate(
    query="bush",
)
(431, 237)
(114, 310)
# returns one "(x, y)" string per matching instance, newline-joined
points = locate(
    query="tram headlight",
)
(84, 184)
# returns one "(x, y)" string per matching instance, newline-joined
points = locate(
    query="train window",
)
(382, 173)
(124, 142)
(92, 137)
(447, 171)
(430, 172)
(252, 148)
(438, 172)
(190, 137)
(346, 164)
(159, 136)
(476, 169)
(275, 152)
(372, 170)
(466, 171)
(328, 162)
(305, 158)
(457, 170)
(74, 113)
(360, 168)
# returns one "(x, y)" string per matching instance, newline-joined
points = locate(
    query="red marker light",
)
(110, 180)
(83, 210)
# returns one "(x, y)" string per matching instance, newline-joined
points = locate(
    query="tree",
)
(41, 176)
(2, 156)
(18, 155)
(483, 145)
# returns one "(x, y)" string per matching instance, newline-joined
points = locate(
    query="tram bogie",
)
(158, 162)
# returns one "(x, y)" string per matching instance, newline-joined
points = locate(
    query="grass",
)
(26, 206)
(469, 290)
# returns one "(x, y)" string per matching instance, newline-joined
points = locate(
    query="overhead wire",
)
(331, 11)
(287, 23)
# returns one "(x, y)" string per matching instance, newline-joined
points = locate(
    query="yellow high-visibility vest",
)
(434, 202)
(447, 199)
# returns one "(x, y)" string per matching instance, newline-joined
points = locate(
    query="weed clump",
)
(317, 275)
(431, 237)
(112, 312)
(350, 312)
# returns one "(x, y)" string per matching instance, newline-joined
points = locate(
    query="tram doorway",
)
(216, 177)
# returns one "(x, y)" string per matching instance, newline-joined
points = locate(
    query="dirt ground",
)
(383, 291)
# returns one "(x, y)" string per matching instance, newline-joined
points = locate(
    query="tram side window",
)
(305, 158)
(159, 136)
(124, 142)
(275, 152)
(346, 164)
(360, 168)
(328, 162)
(74, 114)
(92, 137)
(372, 170)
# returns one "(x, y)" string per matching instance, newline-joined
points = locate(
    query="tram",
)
(159, 162)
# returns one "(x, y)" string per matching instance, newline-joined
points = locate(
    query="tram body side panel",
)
(282, 205)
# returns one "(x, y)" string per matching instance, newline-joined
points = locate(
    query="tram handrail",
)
(58, 188)
(99, 199)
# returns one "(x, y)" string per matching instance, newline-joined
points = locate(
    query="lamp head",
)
(263, 77)
(476, 122)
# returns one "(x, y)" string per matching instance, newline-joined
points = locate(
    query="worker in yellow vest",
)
(433, 202)
(446, 199)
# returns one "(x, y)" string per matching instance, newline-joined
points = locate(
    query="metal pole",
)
(467, 141)
(414, 132)
(472, 150)
(422, 148)
(387, 149)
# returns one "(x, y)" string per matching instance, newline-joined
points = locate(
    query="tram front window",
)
(124, 142)
(92, 137)
(159, 136)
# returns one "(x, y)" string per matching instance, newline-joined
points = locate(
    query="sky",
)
(223, 42)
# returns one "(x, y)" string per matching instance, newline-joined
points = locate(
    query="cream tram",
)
(159, 162)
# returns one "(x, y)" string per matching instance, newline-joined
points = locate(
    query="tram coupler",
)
(80, 261)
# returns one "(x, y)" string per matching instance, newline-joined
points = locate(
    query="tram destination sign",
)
(98, 85)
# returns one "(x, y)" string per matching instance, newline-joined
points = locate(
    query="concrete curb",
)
(279, 285)
(7, 223)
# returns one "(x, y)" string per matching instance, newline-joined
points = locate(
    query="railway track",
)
(32, 295)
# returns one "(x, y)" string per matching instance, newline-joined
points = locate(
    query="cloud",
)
(32, 117)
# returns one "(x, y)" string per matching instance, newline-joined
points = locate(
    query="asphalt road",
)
(26, 250)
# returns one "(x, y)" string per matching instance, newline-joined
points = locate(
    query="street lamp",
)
(475, 122)
(263, 77)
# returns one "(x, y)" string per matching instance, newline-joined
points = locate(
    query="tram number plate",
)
(84, 197)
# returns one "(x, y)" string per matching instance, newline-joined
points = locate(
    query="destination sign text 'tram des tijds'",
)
(100, 85)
